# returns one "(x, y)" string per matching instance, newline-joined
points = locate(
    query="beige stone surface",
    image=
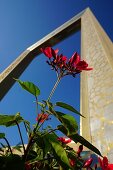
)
(97, 85)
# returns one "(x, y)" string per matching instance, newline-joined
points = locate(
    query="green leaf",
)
(2, 135)
(68, 107)
(29, 86)
(58, 151)
(68, 121)
(10, 120)
(77, 138)
(80, 139)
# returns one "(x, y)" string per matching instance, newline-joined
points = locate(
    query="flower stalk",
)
(54, 88)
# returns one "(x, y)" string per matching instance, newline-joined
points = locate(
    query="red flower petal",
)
(47, 51)
(42, 117)
(83, 65)
(74, 59)
(72, 162)
(64, 140)
(88, 163)
(110, 166)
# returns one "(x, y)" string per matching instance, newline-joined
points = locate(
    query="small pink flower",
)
(64, 140)
(72, 162)
(80, 150)
(88, 163)
(42, 117)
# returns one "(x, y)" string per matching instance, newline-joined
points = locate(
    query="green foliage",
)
(58, 150)
(30, 87)
(77, 138)
(68, 107)
(68, 122)
(44, 150)
(10, 120)
(80, 139)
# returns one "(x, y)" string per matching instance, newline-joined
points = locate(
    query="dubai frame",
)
(96, 95)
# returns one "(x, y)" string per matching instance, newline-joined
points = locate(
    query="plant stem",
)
(20, 136)
(49, 132)
(36, 104)
(26, 129)
(28, 147)
(61, 168)
(54, 88)
(8, 145)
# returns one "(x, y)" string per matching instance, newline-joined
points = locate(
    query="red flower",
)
(88, 163)
(74, 59)
(110, 166)
(59, 61)
(72, 162)
(27, 166)
(62, 66)
(49, 52)
(42, 117)
(82, 65)
(104, 164)
(80, 150)
(64, 140)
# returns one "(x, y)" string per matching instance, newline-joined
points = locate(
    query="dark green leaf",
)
(68, 107)
(77, 138)
(58, 150)
(10, 120)
(2, 135)
(68, 121)
(32, 155)
(30, 87)
(80, 139)
(13, 162)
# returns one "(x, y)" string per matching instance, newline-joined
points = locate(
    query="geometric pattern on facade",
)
(97, 86)
(96, 95)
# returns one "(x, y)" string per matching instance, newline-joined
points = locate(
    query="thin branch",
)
(28, 147)
(50, 132)
(20, 136)
(8, 145)
(26, 129)
(36, 105)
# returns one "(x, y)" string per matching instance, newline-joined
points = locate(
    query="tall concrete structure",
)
(96, 95)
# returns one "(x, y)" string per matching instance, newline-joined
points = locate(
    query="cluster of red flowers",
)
(104, 164)
(61, 64)
(42, 117)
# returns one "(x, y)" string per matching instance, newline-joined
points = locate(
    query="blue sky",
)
(23, 23)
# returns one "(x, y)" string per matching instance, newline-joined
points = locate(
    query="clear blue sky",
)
(23, 23)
